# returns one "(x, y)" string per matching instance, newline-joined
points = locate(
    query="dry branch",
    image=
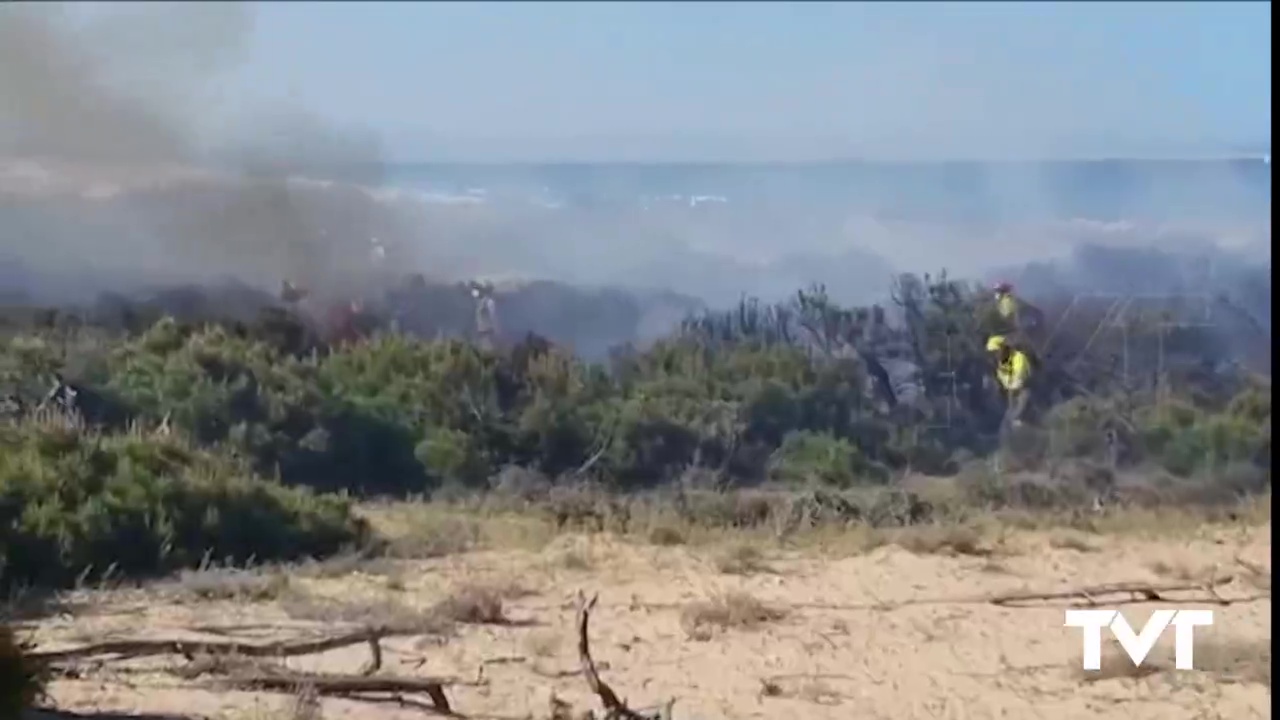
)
(1088, 596)
(48, 714)
(129, 649)
(614, 707)
(1138, 592)
(240, 667)
(375, 656)
(347, 686)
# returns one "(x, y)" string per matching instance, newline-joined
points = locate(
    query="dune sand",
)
(798, 633)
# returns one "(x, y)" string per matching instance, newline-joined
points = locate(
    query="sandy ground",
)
(831, 655)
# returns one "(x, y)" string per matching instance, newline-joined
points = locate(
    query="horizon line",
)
(1235, 157)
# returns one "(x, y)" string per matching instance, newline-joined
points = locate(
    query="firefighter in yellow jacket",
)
(1013, 371)
(1016, 316)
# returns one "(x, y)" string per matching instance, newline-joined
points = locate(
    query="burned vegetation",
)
(143, 436)
(127, 421)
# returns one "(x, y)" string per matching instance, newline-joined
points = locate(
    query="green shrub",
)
(75, 503)
(454, 456)
(791, 392)
(1185, 440)
(21, 679)
(809, 458)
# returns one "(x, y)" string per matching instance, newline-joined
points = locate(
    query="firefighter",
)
(1013, 371)
(1016, 315)
(486, 315)
(1006, 303)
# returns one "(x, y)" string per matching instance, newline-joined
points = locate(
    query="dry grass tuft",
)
(809, 689)
(475, 604)
(235, 584)
(1069, 540)
(742, 559)
(306, 704)
(666, 536)
(942, 540)
(347, 564)
(726, 611)
(994, 566)
(1173, 521)
(1182, 570)
(418, 530)
(575, 558)
(433, 537)
(382, 612)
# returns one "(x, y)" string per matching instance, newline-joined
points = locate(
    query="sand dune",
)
(885, 633)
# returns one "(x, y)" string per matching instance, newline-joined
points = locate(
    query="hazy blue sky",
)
(750, 80)
(819, 78)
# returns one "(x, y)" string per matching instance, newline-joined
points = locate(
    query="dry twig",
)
(239, 667)
(1089, 596)
(347, 686)
(131, 649)
(1138, 592)
(614, 707)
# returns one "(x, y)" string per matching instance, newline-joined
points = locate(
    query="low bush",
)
(22, 680)
(77, 503)
(805, 394)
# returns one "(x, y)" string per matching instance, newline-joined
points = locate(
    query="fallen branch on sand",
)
(347, 686)
(1095, 595)
(240, 666)
(1089, 596)
(132, 649)
(230, 664)
(1138, 592)
(614, 708)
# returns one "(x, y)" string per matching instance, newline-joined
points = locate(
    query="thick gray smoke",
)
(121, 166)
(111, 83)
(117, 166)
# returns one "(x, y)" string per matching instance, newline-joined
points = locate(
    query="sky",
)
(755, 81)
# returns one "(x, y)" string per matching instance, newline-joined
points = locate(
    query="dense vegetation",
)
(230, 439)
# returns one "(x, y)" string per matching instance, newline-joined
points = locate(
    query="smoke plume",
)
(125, 162)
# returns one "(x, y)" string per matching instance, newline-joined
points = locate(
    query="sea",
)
(717, 232)
(1108, 190)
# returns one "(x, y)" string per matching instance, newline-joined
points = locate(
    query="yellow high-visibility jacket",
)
(1013, 373)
